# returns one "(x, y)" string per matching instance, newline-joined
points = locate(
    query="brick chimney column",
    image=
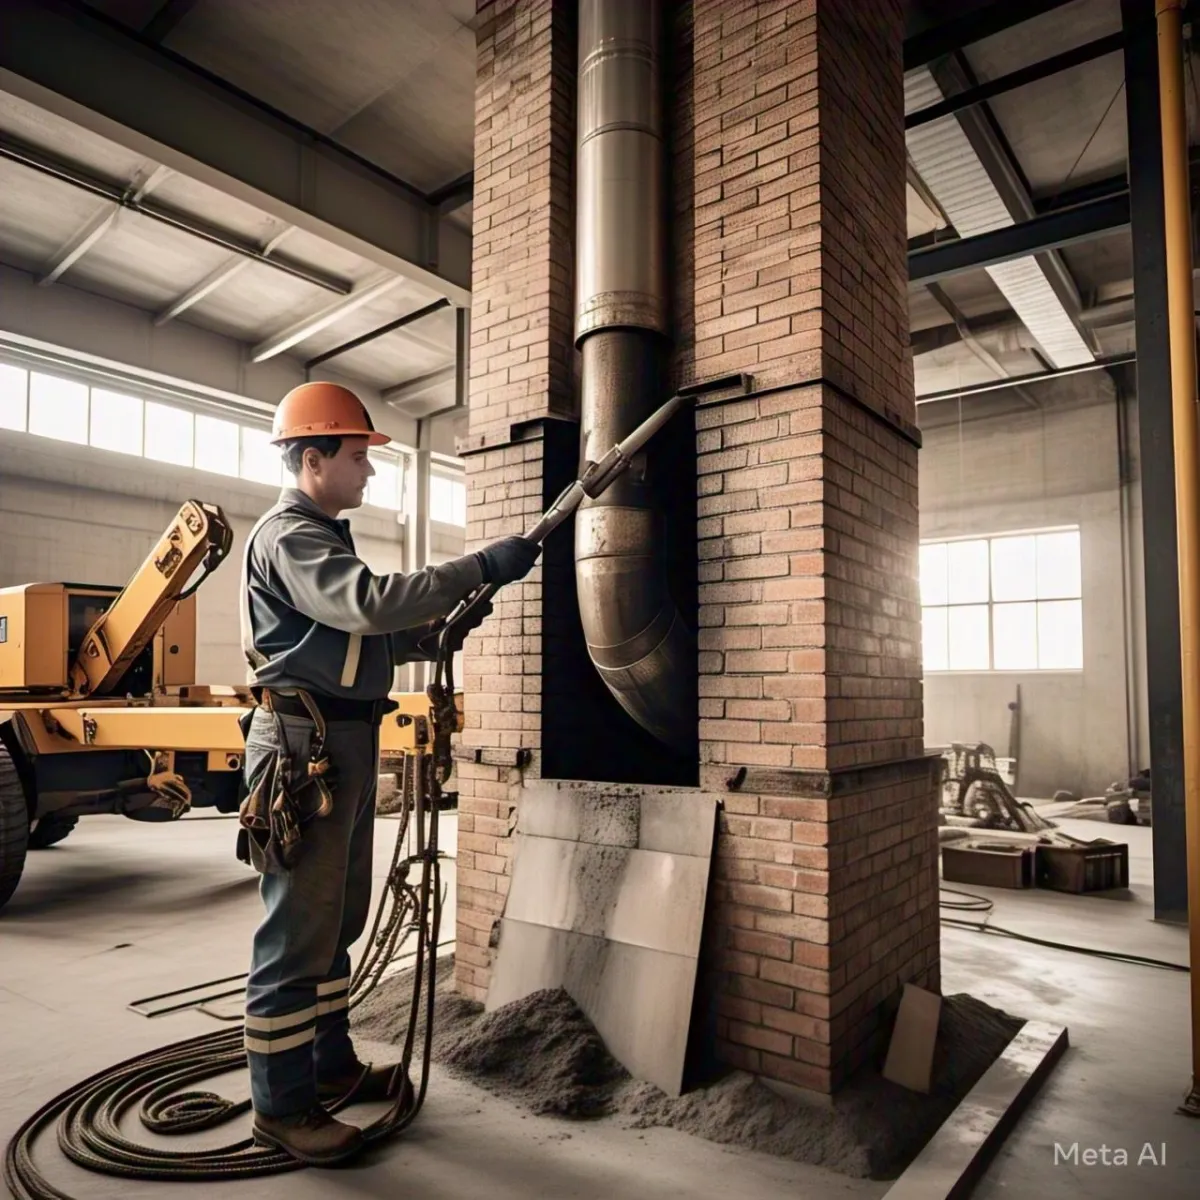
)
(810, 684)
(788, 235)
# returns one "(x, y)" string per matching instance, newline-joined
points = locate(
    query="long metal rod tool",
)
(597, 477)
(1182, 325)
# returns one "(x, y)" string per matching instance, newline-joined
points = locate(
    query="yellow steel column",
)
(1182, 324)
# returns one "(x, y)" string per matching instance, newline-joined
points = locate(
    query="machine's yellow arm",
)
(198, 534)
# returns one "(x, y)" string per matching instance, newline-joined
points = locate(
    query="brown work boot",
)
(373, 1084)
(314, 1137)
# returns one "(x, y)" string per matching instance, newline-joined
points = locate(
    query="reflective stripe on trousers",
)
(297, 1019)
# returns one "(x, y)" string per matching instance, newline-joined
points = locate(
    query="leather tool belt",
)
(287, 793)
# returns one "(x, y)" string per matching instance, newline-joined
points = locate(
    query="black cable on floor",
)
(973, 903)
(89, 1116)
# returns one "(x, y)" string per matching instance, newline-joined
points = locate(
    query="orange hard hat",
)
(323, 410)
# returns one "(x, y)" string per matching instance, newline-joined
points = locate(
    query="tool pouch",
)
(289, 782)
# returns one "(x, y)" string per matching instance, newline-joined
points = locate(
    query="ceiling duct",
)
(947, 161)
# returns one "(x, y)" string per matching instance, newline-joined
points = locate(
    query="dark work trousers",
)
(297, 1019)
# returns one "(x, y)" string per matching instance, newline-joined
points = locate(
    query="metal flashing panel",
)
(609, 885)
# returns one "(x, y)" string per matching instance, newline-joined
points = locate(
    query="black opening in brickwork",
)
(586, 734)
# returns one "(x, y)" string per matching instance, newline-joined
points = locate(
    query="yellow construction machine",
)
(99, 708)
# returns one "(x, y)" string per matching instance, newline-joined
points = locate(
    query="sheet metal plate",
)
(607, 900)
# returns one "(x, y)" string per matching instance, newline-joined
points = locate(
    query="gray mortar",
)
(544, 1054)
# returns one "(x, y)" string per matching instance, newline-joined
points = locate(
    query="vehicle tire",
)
(49, 831)
(14, 826)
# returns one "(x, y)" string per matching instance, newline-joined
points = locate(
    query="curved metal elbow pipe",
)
(636, 637)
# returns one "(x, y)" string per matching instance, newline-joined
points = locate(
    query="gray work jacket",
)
(315, 617)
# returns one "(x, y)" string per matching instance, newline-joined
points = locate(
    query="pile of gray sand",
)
(544, 1054)
(540, 1051)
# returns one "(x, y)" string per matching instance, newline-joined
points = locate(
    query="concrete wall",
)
(67, 317)
(76, 514)
(1006, 467)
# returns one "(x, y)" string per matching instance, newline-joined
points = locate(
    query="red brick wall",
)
(800, 260)
(522, 359)
(810, 665)
(522, 313)
(810, 669)
(809, 610)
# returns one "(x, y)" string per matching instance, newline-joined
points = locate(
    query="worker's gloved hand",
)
(507, 560)
(428, 644)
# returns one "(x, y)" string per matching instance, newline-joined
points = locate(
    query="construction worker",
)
(322, 634)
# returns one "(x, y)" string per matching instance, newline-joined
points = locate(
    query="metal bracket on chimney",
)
(493, 756)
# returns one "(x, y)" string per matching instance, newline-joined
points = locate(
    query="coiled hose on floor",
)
(89, 1116)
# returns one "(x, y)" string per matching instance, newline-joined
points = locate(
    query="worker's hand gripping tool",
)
(595, 480)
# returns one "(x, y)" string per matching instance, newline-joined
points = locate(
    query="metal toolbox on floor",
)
(1097, 867)
(988, 864)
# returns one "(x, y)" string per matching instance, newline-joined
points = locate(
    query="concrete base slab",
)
(956, 1156)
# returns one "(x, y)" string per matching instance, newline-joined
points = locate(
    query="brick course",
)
(809, 609)
(522, 362)
(800, 264)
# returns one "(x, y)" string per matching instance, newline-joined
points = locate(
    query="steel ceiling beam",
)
(93, 230)
(1019, 381)
(953, 75)
(454, 194)
(301, 330)
(88, 69)
(923, 48)
(119, 195)
(390, 327)
(1111, 185)
(412, 388)
(160, 26)
(1048, 67)
(1050, 231)
(216, 279)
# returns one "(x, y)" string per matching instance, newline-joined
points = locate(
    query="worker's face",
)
(341, 481)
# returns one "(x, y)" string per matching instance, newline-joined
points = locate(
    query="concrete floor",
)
(1129, 1061)
(122, 911)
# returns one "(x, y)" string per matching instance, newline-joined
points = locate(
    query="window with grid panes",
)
(1004, 603)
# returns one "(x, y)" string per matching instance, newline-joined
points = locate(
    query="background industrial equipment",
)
(99, 711)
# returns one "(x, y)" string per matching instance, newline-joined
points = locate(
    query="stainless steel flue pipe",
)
(636, 637)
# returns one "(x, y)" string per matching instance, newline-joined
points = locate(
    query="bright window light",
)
(968, 563)
(261, 462)
(447, 500)
(383, 489)
(969, 637)
(1058, 566)
(1004, 603)
(116, 422)
(14, 388)
(217, 445)
(1060, 635)
(1014, 568)
(170, 434)
(935, 581)
(1015, 631)
(58, 408)
(935, 635)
